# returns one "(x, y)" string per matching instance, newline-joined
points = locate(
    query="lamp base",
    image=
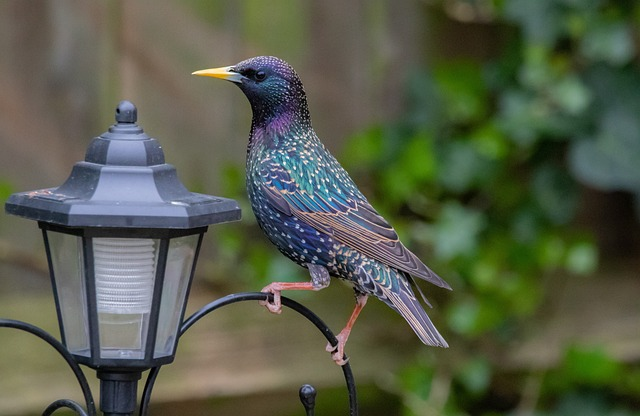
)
(118, 392)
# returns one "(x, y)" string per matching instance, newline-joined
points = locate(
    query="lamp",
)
(122, 236)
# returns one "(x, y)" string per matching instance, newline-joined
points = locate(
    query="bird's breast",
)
(294, 238)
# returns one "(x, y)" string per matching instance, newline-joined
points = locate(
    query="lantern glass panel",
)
(125, 272)
(179, 269)
(65, 251)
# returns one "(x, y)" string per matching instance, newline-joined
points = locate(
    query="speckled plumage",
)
(309, 207)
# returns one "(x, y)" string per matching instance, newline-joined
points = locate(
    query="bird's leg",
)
(337, 351)
(320, 279)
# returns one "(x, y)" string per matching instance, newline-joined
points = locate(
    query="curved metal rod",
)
(75, 367)
(64, 403)
(259, 296)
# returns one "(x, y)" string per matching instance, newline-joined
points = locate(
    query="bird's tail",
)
(405, 303)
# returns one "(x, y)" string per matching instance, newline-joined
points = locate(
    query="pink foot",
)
(337, 351)
(276, 306)
(277, 287)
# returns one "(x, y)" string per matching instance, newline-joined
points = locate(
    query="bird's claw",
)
(337, 351)
(272, 307)
(275, 306)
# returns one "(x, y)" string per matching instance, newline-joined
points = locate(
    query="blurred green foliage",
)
(589, 382)
(486, 168)
(482, 177)
(6, 189)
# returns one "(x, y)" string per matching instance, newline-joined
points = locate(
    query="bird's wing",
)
(349, 219)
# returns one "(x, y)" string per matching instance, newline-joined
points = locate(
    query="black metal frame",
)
(112, 382)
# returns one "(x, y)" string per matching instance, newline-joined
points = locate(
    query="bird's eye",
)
(260, 75)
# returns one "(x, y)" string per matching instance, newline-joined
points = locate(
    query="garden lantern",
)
(122, 236)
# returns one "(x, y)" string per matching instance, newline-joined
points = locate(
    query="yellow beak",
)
(224, 72)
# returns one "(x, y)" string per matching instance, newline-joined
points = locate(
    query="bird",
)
(312, 211)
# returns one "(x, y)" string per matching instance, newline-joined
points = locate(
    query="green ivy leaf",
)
(611, 42)
(590, 366)
(555, 193)
(571, 95)
(364, 149)
(489, 142)
(463, 167)
(581, 258)
(418, 158)
(550, 251)
(610, 159)
(462, 89)
(463, 315)
(475, 315)
(6, 189)
(456, 231)
(475, 375)
(540, 20)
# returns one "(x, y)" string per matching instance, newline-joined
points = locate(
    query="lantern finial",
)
(126, 112)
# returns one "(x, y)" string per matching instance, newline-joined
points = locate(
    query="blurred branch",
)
(530, 394)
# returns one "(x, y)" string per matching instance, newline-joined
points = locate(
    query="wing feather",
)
(349, 219)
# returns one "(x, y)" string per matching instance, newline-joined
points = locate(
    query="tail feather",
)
(393, 287)
(406, 304)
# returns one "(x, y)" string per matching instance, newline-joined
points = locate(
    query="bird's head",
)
(271, 85)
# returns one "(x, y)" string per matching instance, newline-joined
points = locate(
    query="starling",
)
(312, 211)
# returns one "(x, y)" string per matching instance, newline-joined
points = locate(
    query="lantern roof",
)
(123, 182)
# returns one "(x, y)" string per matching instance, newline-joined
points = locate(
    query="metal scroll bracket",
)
(307, 392)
